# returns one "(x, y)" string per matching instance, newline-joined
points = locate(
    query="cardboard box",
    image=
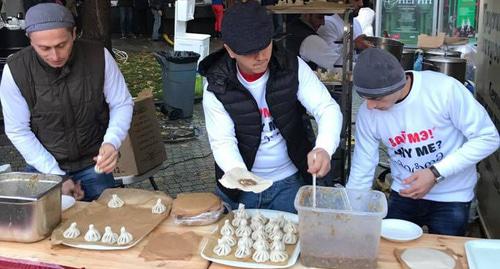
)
(143, 149)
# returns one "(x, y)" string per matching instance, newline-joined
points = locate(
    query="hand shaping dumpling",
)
(159, 207)
(92, 234)
(72, 231)
(227, 229)
(109, 237)
(125, 237)
(222, 248)
(115, 202)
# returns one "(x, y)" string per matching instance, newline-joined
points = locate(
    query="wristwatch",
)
(436, 173)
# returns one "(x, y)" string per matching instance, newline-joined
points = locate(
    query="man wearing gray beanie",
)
(254, 106)
(65, 103)
(435, 133)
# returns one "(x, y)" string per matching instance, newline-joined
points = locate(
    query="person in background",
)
(126, 18)
(254, 103)
(62, 116)
(157, 7)
(277, 18)
(304, 41)
(435, 133)
(333, 31)
(218, 9)
(366, 16)
(140, 15)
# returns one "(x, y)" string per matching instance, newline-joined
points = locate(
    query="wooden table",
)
(43, 252)
(386, 258)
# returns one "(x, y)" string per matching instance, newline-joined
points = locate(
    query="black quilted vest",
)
(281, 97)
(69, 114)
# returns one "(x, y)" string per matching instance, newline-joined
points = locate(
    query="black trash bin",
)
(179, 78)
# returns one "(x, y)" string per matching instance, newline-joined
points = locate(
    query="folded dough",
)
(109, 237)
(115, 202)
(125, 237)
(92, 234)
(159, 207)
(227, 229)
(290, 238)
(242, 252)
(72, 231)
(229, 239)
(260, 255)
(278, 256)
(290, 227)
(243, 229)
(222, 248)
(242, 179)
(278, 245)
(259, 234)
(276, 234)
(245, 241)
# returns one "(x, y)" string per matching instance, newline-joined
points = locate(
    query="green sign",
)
(406, 19)
(466, 13)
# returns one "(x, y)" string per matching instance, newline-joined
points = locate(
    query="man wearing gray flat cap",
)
(65, 103)
(254, 105)
(435, 133)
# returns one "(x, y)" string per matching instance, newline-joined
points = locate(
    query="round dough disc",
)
(424, 258)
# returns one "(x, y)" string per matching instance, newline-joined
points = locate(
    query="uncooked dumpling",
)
(245, 241)
(242, 213)
(276, 234)
(92, 234)
(115, 202)
(278, 256)
(159, 207)
(227, 229)
(259, 234)
(270, 226)
(278, 245)
(109, 237)
(243, 229)
(261, 244)
(125, 237)
(290, 227)
(222, 248)
(290, 238)
(72, 231)
(229, 239)
(255, 225)
(280, 220)
(242, 251)
(424, 258)
(259, 217)
(260, 255)
(236, 221)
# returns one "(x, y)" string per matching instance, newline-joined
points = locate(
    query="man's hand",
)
(319, 165)
(72, 189)
(421, 182)
(107, 158)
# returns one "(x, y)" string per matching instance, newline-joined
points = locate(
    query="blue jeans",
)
(156, 24)
(280, 196)
(93, 184)
(447, 218)
(126, 14)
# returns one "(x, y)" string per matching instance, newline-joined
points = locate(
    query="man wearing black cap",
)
(434, 131)
(65, 103)
(256, 97)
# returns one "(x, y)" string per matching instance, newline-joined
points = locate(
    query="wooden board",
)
(386, 258)
(43, 252)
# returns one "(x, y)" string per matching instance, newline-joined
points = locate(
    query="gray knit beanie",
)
(377, 73)
(48, 16)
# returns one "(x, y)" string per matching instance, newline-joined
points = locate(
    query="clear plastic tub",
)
(340, 233)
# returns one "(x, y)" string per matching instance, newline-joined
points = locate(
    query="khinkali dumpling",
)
(278, 256)
(109, 237)
(72, 231)
(229, 239)
(92, 234)
(125, 237)
(243, 229)
(222, 248)
(159, 207)
(260, 255)
(115, 202)
(227, 229)
(290, 238)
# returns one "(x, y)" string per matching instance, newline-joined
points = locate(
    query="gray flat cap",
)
(48, 16)
(377, 73)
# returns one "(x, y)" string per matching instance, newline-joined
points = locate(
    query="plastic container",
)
(331, 235)
(179, 77)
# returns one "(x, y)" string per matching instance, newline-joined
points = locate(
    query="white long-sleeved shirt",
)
(17, 117)
(439, 123)
(272, 161)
